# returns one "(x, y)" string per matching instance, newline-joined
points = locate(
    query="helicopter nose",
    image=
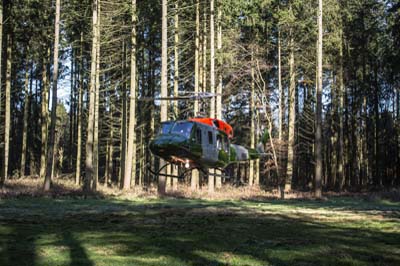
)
(166, 144)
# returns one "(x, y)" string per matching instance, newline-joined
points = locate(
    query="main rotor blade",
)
(180, 98)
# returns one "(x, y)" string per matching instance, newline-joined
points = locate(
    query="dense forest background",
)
(76, 78)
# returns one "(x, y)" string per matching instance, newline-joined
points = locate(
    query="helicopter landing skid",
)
(158, 173)
(219, 175)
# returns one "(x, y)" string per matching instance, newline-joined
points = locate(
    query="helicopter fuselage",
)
(197, 145)
(192, 144)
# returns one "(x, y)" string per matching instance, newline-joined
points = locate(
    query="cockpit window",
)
(182, 128)
(165, 128)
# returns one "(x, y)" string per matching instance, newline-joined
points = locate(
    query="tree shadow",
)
(18, 245)
(78, 255)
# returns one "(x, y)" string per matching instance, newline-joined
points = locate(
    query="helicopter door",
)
(209, 146)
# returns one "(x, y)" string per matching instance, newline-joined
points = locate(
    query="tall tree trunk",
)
(377, 172)
(292, 115)
(364, 165)
(218, 178)
(109, 165)
(197, 57)
(72, 111)
(25, 121)
(96, 104)
(341, 155)
(130, 169)
(318, 122)
(194, 181)
(51, 152)
(219, 50)
(7, 115)
(332, 177)
(176, 58)
(44, 115)
(142, 159)
(282, 99)
(211, 177)
(2, 177)
(280, 89)
(164, 84)
(203, 68)
(79, 116)
(398, 137)
(252, 124)
(176, 79)
(123, 121)
(87, 182)
(212, 59)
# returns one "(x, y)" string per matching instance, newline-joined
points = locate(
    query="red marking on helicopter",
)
(221, 125)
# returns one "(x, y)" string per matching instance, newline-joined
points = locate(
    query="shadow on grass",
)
(78, 255)
(175, 232)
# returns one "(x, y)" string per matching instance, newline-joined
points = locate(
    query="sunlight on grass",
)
(228, 258)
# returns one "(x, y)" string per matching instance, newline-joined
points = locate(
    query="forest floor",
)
(106, 229)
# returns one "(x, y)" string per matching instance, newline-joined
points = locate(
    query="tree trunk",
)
(87, 183)
(211, 177)
(292, 116)
(377, 172)
(332, 177)
(130, 169)
(96, 104)
(44, 116)
(110, 149)
(212, 59)
(219, 50)
(25, 121)
(252, 124)
(281, 92)
(203, 69)
(341, 114)
(51, 151)
(196, 57)
(398, 137)
(174, 171)
(123, 121)
(1, 54)
(218, 178)
(7, 115)
(72, 105)
(318, 122)
(79, 116)
(164, 84)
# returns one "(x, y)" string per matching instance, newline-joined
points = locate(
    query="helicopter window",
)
(216, 123)
(165, 128)
(219, 142)
(198, 135)
(225, 144)
(210, 137)
(182, 128)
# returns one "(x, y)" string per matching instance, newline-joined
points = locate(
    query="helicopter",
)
(198, 143)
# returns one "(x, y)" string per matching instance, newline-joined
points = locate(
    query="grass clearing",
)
(338, 231)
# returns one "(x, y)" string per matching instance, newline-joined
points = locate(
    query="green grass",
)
(339, 231)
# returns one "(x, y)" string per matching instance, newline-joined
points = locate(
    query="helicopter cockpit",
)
(183, 128)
